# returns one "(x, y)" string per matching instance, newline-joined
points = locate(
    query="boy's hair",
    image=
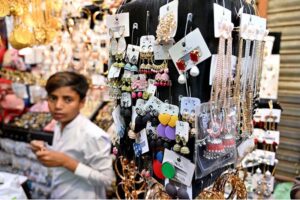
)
(74, 80)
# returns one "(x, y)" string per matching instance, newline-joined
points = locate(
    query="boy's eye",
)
(52, 98)
(68, 100)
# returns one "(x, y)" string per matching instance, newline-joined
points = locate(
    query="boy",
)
(80, 155)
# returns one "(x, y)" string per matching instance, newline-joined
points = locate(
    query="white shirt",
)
(90, 146)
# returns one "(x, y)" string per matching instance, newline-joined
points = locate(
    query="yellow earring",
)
(164, 118)
(173, 120)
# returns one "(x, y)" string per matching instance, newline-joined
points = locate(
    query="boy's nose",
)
(59, 104)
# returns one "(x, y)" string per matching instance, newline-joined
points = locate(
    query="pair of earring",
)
(181, 149)
(119, 63)
(117, 47)
(167, 119)
(189, 117)
(181, 65)
(165, 28)
(131, 67)
(166, 131)
(126, 85)
(146, 68)
(139, 84)
(162, 79)
(145, 95)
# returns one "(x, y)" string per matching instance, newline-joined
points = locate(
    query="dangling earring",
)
(181, 66)
(177, 146)
(122, 41)
(165, 78)
(184, 149)
(194, 56)
(113, 43)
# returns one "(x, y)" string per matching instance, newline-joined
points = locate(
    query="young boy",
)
(80, 154)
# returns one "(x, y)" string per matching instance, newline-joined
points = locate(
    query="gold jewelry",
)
(165, 28)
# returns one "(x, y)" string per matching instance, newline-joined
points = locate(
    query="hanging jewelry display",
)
(219, 95)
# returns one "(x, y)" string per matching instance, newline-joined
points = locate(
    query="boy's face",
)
(64, 104)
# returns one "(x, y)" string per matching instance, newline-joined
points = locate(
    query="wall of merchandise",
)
(193, 107)
(162, 74)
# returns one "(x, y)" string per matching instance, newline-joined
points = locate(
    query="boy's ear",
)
(82, 102)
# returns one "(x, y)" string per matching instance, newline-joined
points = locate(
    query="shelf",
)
(25, 135)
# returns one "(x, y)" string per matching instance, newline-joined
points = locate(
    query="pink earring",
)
(140, 94)
(165, 78)
(157, 79)
(133, 95)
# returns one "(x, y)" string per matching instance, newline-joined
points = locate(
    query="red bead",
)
(181, 65)
(194, 56)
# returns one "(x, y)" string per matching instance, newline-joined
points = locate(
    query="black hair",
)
(74, 80)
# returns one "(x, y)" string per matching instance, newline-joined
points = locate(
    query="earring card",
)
(193, 41)
(115, 22)
(170, 7)
(188, 104)
(147, 43)
(182, 129)
(132, 53)
(221, 14)
(184, 168)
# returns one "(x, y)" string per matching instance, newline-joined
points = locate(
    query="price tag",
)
(115, 22)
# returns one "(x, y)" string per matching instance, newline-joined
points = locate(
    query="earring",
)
(173, 120)
(164, 118)
(158, 79)
(181, 66)
(177, 146)
(170, 133)
(165, 78)
(185, 115)
(194, 56)
(184, 149)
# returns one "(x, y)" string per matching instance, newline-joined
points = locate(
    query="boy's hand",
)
(56, 159)
(37, 145)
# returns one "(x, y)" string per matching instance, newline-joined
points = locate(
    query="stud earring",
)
(194, 56)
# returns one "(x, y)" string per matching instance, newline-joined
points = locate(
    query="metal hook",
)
(123, 2)
(188, 19)
(134, 26)
(147, 22)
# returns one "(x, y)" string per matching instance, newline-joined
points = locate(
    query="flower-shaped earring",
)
(181, 66)
(194, 56)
